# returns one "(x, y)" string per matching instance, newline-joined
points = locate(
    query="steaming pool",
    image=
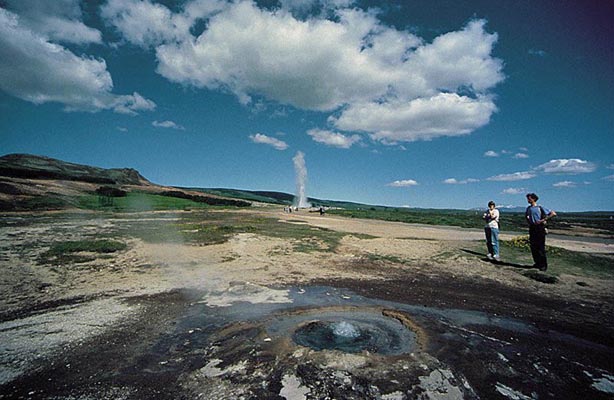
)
(252, 342)
(350, 331)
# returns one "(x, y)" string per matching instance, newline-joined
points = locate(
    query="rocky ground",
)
(175, 319)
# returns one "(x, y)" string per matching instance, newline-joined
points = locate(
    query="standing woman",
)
(536, 218)
(491, 230)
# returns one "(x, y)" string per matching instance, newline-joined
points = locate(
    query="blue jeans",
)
(492, 240)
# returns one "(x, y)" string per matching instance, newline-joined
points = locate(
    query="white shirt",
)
(493, 222)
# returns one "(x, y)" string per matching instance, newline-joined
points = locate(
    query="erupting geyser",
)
(301, 178)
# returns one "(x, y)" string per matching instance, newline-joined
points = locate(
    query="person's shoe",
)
(497, 258)
(489, 256)
(542, 268)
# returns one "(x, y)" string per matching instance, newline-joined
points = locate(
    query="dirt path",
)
(387, 229)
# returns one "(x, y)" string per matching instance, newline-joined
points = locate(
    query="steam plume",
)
(301, 178)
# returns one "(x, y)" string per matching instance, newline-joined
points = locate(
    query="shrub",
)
(520, 242)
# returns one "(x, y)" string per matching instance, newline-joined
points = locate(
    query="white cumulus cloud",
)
(609, 178)
(148, 24)
(516, 176)
(58, 20)
(39, 71)
(264, 139)
(491, 153)
(306, 7)
(565, 184)
(521, 155)
(167, 124)
(333, 139)
(376, 79)
(567, 166)
(403, 183)
(454, 181)
(445, 114)
(513, 191)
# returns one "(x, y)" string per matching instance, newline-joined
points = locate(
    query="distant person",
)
(491, 230)
(321, 210)
(536, 217)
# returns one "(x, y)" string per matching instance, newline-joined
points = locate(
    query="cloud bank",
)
(34, 69)
(58, 20)
(370, 77)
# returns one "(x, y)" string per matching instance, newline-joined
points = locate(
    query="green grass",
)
(385, 258)
(137, 201)
(249, 195)
(560, 261)
(305, 238)
(460, 218)
(600, 222)
(68, 252)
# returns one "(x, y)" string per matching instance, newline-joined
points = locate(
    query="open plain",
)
(208, 304)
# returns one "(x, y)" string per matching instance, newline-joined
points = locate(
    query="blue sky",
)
(440, 104)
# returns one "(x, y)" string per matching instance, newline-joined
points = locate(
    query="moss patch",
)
(70, 252)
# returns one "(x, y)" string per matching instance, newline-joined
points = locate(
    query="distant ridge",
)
(29, 166)
(282, 198)
(504, 209)
(33, 182)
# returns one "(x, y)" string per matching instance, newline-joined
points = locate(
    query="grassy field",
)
(561, 261)
(516, 254)
(599, 222)
(135, 201)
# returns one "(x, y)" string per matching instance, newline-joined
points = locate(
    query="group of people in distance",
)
(536, 216)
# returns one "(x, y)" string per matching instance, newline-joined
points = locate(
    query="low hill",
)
(38, 167)
(282, 198)
(31, 182)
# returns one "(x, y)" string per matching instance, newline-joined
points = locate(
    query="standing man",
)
(536, 217)
(491, 216)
